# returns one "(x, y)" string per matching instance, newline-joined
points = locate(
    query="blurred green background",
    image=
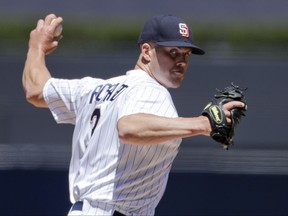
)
(240, 24)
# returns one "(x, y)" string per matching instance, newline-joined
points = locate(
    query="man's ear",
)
(146, 52)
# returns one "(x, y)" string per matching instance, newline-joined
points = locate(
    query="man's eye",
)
(174, 53)
(188, 54)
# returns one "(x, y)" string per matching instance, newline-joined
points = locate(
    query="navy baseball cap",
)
(168, 30)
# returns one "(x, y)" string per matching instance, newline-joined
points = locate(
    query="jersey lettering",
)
(122, 88)
(107, 92)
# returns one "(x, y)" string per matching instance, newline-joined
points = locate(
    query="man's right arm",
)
(35, 76)
(35, 73)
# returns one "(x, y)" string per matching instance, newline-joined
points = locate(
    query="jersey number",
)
(94, 119)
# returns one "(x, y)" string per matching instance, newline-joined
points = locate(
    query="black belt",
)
(79, 205)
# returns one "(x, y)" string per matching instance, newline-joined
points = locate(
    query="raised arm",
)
(35, 74)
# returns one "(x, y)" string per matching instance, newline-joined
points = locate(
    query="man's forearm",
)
(152, 129)
(35, 75)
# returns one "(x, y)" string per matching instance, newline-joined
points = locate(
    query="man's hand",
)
(224, 113)
(42, 37)
(230, 106)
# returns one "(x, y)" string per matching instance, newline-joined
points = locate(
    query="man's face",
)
(169, 65)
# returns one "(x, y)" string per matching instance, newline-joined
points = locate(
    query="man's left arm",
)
(141, 128)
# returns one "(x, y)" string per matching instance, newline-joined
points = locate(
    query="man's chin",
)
(175, 84)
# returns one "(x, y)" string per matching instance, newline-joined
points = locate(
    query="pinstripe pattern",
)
(105, 174)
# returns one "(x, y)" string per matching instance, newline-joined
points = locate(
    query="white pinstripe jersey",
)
(104, 173)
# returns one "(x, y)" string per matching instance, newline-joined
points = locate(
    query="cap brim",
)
(195, 49)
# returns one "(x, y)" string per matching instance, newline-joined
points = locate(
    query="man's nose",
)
(181, 62)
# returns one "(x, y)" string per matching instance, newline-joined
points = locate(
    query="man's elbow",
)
(35, 99)
(126, 130)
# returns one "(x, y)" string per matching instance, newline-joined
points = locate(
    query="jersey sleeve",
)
(63, 97)
(148, 99)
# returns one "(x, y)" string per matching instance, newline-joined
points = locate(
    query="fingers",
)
(233, 104)
(56, 28)
(49, 24)
(40, 24)
(42, 37)
(55, 23)
(49, 18)
(228, 116)
(229, 106)
(45, 22)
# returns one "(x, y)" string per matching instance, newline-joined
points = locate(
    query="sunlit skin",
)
(172, 63)
(168, 65)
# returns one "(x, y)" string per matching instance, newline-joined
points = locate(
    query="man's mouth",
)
(178, 72)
